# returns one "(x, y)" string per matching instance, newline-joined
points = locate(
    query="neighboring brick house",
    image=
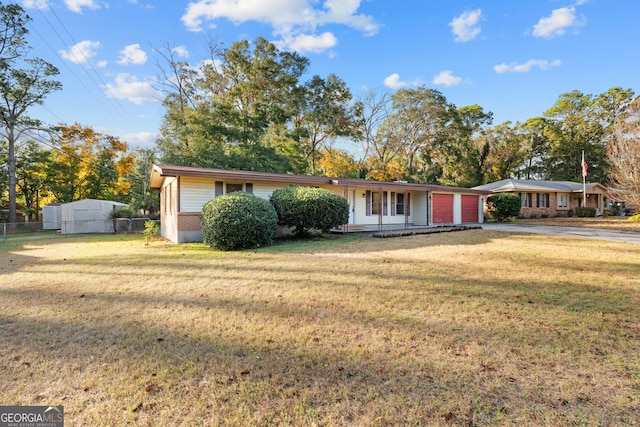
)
(550, 198)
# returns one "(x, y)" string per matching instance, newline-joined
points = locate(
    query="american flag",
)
(584, 167)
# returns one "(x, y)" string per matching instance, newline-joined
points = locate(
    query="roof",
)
(159, 172)
(512, 185)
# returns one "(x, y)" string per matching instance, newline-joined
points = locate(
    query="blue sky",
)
(513, 58)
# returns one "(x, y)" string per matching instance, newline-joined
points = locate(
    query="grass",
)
(471, 328)
(610, 222)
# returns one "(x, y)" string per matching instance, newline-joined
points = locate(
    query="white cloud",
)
(180, 51)
(140, 139)
(394, 82)
(466, 27)
(557, 23)
(35, 4)
(310, 43)
(294, 20)
(132, 89)
(77, 5)
(82, 52)
(132, 54)
(447, 78)
(525, 67)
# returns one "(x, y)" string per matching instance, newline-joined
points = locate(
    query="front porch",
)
(398, 230)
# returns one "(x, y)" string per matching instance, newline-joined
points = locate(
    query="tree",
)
(381, 159)
(468, 149)
(572, 128)
(337, 163)
(322, 114)
(223, 108)
(32, 162)
(89, 164)
(506, 147)
(418, 121)
(140, 196)
(623, 153)
(536, 149)
(24, 82)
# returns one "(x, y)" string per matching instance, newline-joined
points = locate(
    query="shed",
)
(51, 215)
(88, 216)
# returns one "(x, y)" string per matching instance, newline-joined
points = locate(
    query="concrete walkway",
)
(583, 233)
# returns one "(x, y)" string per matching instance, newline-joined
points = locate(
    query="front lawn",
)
(469, 328)
(621, 223)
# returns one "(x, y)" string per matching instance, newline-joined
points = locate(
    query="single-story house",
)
(550, 198)
(374, 205)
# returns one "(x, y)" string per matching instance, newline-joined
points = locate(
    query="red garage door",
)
(442, 208)
(469, 209)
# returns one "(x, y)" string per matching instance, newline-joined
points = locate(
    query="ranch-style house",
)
(374, 205)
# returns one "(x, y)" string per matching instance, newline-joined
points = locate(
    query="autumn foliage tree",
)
(624, 155)
(88, 164)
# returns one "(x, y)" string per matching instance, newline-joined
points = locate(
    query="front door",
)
(352, 206)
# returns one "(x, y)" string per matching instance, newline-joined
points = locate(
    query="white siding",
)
(419, 208)
(195, 192)
(457, 208)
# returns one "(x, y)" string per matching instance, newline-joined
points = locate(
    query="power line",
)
(70, 70)
(81, 61)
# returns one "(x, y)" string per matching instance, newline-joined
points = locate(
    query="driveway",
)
(583, 233)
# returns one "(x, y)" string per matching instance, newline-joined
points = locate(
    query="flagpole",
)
(584, 182)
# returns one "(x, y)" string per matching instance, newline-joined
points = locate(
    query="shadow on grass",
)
(327, 340)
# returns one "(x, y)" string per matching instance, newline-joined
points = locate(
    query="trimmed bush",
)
(238, 220)
(585, 212)
(308, 208)
(503, 206)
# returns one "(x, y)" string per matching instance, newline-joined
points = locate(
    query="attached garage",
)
(442, 205)
(469, 209)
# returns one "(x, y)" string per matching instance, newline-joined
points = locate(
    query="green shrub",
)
(585, 212)
(308, 208)
(238, 220)
(503, 206)
(151, 231)
(124, 212)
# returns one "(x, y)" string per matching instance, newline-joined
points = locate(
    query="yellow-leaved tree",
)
(88, 165)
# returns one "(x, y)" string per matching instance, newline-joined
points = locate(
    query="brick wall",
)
(189, 221)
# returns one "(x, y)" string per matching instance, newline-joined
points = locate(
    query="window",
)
(526, 200)
(375, 203)
(542, 200)
(563, 200)
(231, 188)
(399, 204)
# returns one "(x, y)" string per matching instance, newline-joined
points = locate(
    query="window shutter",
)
(407, 204)
(249, 187)
(384, 203)
(368, 201)
(219, 188)
(393, 203)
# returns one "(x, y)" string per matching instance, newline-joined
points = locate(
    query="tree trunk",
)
(13, 216)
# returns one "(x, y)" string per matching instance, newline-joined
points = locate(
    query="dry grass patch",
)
(470, 328)
(611, 222)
